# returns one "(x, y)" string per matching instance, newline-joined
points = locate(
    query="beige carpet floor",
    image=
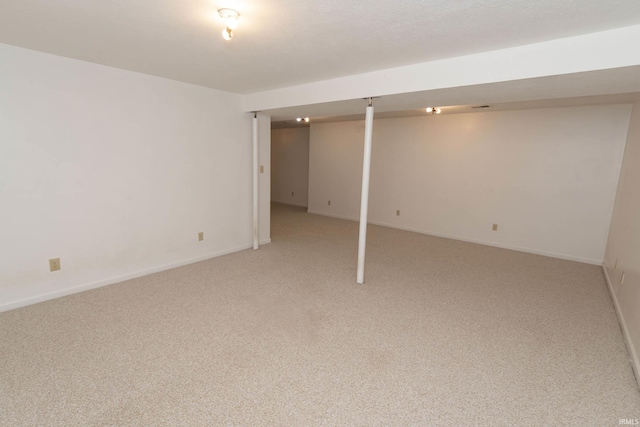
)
(443, 333)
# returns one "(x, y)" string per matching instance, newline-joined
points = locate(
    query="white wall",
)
(114, 172)
(623, 248)
(546, 177)
(290, 166)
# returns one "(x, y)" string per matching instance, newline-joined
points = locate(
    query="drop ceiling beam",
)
(592, 52)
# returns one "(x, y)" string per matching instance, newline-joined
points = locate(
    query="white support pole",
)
(364, 200)
(255, 182)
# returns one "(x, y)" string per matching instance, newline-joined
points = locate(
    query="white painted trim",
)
(290, 203)
(464, 239)
(635, 362)
(118, 279)
(348, 218)
(256, 184)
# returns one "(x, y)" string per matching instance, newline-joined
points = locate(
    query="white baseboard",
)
(348, 218)
(464, 239)
(301, 205)
(118, 279)
(635, 362)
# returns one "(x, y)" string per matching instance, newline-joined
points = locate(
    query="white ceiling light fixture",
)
(230, 18)
(303, 119)
(433, 110)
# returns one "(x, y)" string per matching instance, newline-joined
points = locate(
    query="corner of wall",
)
(633, 354)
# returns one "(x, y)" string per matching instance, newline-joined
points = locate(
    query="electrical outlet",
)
(261, 169)
(398, 212)
(329, 202)
(54, 264)
(495, 227)
(201, 236)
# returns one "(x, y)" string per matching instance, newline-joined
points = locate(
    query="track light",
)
(303, 119)
(230, 18)
(433, 110)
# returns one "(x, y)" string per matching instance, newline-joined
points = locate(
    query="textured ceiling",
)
(285, 42)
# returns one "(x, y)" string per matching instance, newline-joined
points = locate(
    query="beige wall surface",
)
(264, 180)
(290, 166)
(547, 177)
(115, 173)
(623, 248)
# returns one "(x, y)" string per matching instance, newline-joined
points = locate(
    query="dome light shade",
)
(230, 18)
